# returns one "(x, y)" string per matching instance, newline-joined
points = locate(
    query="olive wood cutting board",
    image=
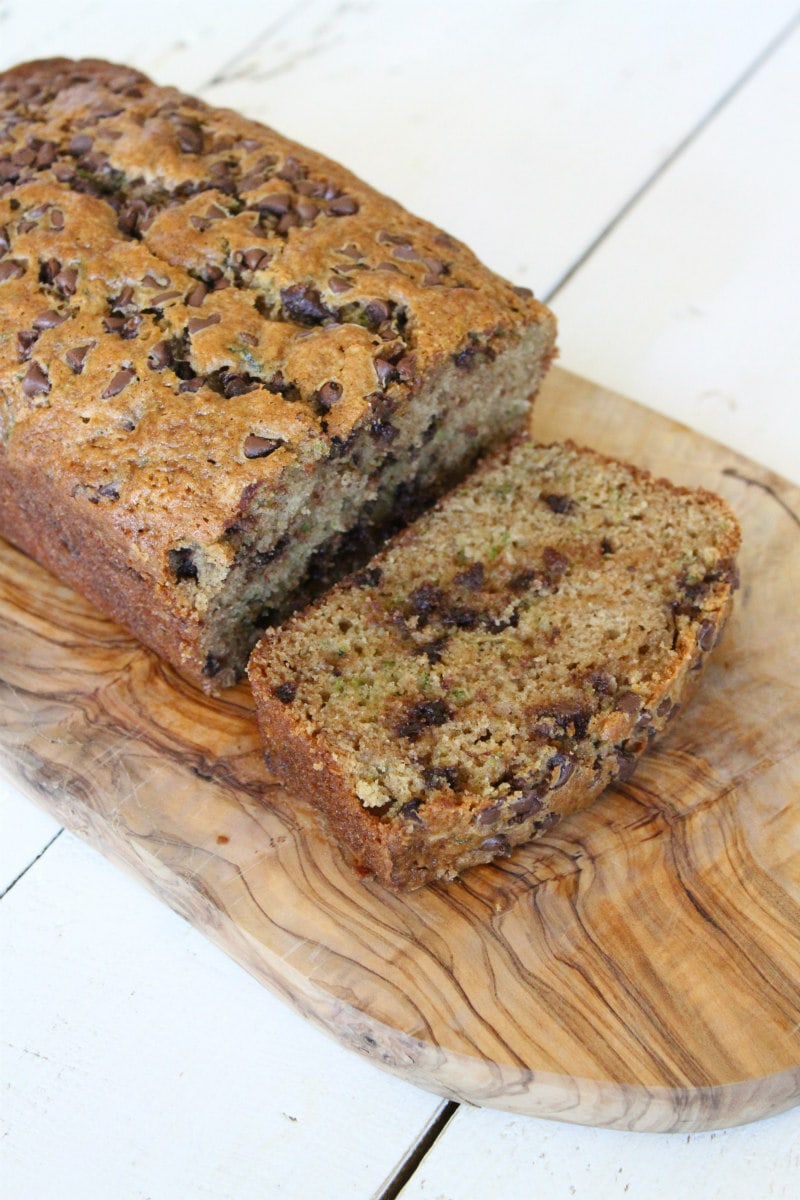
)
(639, 968)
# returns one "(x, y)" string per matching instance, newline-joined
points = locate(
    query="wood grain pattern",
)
(639, 969)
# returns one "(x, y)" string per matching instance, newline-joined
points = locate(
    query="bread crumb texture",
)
(500, 662)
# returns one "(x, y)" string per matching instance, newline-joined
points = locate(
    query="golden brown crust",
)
(196, 312)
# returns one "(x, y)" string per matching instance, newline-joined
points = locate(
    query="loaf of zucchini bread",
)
(499, 662)
(225, 361)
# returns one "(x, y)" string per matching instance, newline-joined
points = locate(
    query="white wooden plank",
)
(177, 44)
(692, 304)
(140, 1062)
(25, 832)
(524, 133)
(485, 1153)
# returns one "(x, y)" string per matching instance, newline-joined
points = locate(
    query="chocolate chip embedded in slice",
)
(76, 357)
(260, 447)
(559, 504)
(182, 563)
(428, 713)
(36, 382)
(472, 578)
(118, 383)
(555, 563)
(706, 635)
(285, 692)
(196, 295)
(442, 777)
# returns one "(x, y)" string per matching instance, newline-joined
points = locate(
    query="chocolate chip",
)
(376, 312)
(279, 386)
(196, 324)
(420, 716)
(383, 432)
(433, 650)
(626, 765)
(5, 240)
(498, 845)
(76, 358)
(256, 260)
(555, 563)
(118, 383)
(233, 384)
(561, 767)
(196, 295)
(155, 282)
(26, 340)
(664, 707)
(337, 284)
(426, 598)
(442, 777)
(327, 395)
(56, 218)
(606, 547)
(277, 203)
(48, 269)
(472, 578)
(260, 447)
(11, 269)
(66, 281)
(182, 564)
(524, 293)
(343, 206)
(410, 812)
(559, 504)
(628, 703)
(160, 356)
(465, 359)
(80, 144)
(285, 692)
(489, 815)
(529, 802)
(302, 303)
(213, 665)
(48, 319)
(386, 372)
(706, 635)
(161, 299)
(292, 170)
(124, 327)
(36, 382)
(190, 137)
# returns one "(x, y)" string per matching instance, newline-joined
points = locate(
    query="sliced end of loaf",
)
(500, 662)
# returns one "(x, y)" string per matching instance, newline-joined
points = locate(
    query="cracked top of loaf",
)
(192, 307)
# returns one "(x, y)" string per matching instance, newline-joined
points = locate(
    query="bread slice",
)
(224, 358)
(500, 662)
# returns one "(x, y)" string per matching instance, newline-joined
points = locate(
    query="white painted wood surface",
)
(147, 1065)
